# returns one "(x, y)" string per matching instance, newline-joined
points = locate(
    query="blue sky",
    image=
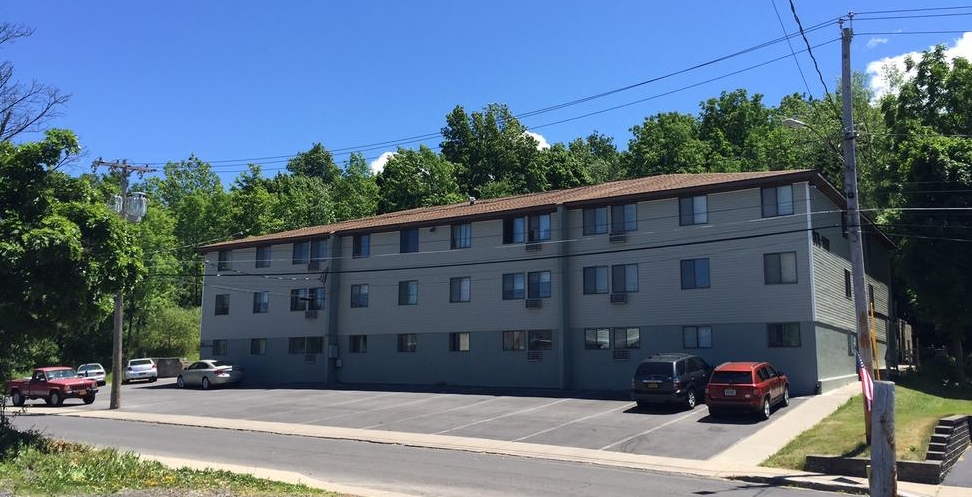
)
(236, 82)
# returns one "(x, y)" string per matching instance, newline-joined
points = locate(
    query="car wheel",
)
(180, 382)
(17, 399)
(690, 400)
(89, 399)
(205, 383)
(715, 413)
(786, 397)
(125, 381)
(153, 379)
(641, 404)
(767, 407)
(54, 399)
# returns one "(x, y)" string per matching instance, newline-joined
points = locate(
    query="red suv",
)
(746, 386)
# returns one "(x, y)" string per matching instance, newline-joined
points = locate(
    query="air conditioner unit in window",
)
(534, 355)
(533, 246)
(532, 303)
(311, 314)
(314, 266)
(617, 237)
(619, 298)
(622, 355)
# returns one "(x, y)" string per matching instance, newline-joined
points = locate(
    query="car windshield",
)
(141, 362)
(61, 373)
(731, 377)
(654, 368)
(89, 367)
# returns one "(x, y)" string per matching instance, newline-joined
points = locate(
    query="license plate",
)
(82, 392)
(730, 392)
(652, 385)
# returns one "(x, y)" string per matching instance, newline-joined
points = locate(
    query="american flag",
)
(867, 384)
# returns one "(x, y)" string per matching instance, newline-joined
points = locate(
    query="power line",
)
(792, 52)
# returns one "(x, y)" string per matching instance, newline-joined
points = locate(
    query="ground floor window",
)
(697, 337)
(220, 347)
(459, 342)
(258, 346)
(358, 344)
(783, 334)
(407, 342)
(513, 340)
(627, 338)
(597, 338)
(541, 340)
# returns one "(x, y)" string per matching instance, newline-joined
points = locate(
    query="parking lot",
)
(540, 417)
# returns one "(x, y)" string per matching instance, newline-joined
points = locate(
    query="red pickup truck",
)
(53, 384)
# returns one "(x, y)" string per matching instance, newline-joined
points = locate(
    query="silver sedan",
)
(208, 373)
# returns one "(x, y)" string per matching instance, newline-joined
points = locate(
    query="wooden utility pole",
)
(884, 466)
(116, 337)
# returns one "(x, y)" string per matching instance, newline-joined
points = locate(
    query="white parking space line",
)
(383, 408)
(500, 416)
(578, 420)
(464, 406)
(347, 402)
(696, 412)
(304, 404)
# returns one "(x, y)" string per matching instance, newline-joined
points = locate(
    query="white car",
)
(94, 371)
(141, 369)
(208, 373)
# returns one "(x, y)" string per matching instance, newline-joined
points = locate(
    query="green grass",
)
(31, 464)
(918, 405)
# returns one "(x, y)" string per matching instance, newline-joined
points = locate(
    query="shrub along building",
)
(564, 289)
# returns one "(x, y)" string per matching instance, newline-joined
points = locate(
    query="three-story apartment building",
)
(562, 289)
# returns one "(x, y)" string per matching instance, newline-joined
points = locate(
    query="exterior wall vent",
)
(311, 314)
(617, 237)
(534, 355)
(619, 298)
(622, 355)
(533, 247)
(532, 303)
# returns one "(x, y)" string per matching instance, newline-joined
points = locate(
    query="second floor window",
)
(315, 299)
(359, 295)
(263, 257)
(461, 236)
(301, 253)
(695, 273)
(317, 250)
(596, 279)
(780, 268)
(298, 299)
(532, 228)
(624, 218)
(459, 289)
(408, 292)
(361, 246)
(513, 286)
(777, 201)
(595, 221)
(538, 284)
(261, 302)
(225, 260)
(408, 240)
(222, 304)
(624, 278)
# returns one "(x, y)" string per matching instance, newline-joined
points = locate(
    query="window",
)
(513, 340)
(408, 240)
(513, 286)
(870, 296)
(358, 344)
(783, 335)
(296, 345)
(539, 227)
(315, 298)
(595, 221)
(222, 304)
(595, 279)
(459, 289)
(624, 278)
(261, 301)
(624, 218)
(220, 347)
(225, 259)
(693, 210)
(848, 289)
(258, 346)
(697, 337)
(459, 342)
(315, 345)
(361, 246)
(359, 295)
(541, 339)
(538, 284)
(317, 250)
(695, 274)
(461, 236)
(780, 268)
(301, 253)
(597, 338)
(627, 338)
(263, 256)
(408, 292)
(407, 342)
(533, 228)
(777, 201)
(298, 299)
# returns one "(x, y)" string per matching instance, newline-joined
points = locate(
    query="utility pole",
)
(133, 213)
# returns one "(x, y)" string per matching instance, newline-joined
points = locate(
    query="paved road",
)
(593, 423)
(380, 469)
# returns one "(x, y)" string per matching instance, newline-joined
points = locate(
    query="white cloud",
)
(541, 141)
(378, 164)
(878, 69)
(873, 42)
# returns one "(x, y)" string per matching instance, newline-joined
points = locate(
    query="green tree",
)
(252, 206)
(600, 157)
(316, 162)
(666, 143)
(63, 253)
(301, 201)
(413, 179)
(356, 193)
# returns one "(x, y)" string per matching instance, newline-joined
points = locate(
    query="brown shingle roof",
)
(667, 185)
